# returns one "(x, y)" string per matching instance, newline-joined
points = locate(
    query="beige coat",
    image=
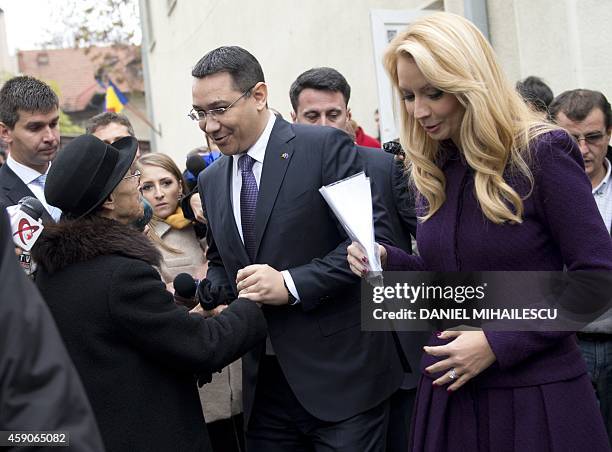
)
(222, 397)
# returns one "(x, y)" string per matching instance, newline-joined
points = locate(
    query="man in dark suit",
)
(320, 96)
(29, 125)
(320, 383)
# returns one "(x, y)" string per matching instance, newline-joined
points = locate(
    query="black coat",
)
(390, 191)
(136, 351)
(40, 389)
(12, 189)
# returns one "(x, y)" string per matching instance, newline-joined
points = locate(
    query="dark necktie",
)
(248, 203)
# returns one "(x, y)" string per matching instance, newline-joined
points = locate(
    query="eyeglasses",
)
(135, 176)
(203, 115)
(590, 138)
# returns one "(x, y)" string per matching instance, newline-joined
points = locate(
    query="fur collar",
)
(72, 241)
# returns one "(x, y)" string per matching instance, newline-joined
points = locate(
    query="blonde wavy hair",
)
(497, 125)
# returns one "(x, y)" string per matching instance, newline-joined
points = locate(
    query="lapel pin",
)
(284, 156)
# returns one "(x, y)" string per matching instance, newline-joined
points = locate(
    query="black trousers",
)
(400, 418)
(227, 435)
(279, 423)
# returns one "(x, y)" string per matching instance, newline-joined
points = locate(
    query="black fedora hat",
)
(86, 171)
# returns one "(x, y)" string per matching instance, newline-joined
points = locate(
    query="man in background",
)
(320, 96)
(29, 125)
(536, 93)
(110, 126)
(587, 116)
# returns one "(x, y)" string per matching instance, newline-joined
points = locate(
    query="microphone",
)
(147, 214)
(185, 286)
(195, 165)
(209, 298)
(26, 227)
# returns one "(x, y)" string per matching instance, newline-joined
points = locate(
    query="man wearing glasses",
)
(587, 116)
(318, 382)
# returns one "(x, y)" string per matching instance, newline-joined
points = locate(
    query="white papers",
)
(351, 201)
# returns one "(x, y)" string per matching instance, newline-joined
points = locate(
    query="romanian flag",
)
(115, 99)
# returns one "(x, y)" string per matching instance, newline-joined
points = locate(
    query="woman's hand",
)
(466, 356)
(358, 260)
(206, 314)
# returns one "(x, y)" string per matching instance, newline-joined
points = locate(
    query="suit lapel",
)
(15, 190)
(276, 161)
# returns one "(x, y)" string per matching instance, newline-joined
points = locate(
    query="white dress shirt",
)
(258, 153)
(28, 177)
(603, 196)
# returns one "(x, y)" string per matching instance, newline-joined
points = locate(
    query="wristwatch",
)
(291, 299)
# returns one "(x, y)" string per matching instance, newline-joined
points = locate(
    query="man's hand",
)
(196, 205)
(262, 283)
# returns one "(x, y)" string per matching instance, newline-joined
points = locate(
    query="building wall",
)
(286, 36)
(8, 64)
(564, 41)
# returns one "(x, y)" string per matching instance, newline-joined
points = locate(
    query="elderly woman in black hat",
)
(137, 353)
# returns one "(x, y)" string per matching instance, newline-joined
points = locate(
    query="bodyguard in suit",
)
(319, 382)
(29, 125)
(320, 96)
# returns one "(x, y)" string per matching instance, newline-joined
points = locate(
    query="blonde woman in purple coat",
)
(498, 189)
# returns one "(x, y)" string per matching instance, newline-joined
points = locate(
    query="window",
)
(42, 59)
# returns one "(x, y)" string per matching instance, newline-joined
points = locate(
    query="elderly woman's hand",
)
(358, 261)
(465, 357)
(206, 314)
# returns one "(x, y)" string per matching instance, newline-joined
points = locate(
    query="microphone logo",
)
(25, 230)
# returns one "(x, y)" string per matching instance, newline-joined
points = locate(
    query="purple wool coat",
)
(537, 395)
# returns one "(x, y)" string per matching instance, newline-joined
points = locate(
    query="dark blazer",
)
(334, 369)
(390, 190)
(137, 352)
(12, 189)
(40, 389)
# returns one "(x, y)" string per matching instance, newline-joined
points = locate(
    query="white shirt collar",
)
(258, 150)
(606, 179)
(25, 173)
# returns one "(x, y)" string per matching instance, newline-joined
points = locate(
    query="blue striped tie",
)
(248, 203)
